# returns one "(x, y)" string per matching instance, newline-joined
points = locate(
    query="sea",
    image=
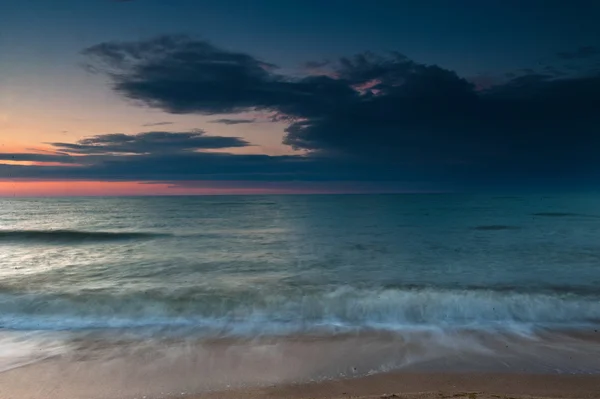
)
(136, 296)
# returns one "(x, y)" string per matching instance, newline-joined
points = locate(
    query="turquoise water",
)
(443, 267)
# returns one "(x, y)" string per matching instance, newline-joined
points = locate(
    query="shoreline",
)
(408, 385)
(300, 367)
(56, 379)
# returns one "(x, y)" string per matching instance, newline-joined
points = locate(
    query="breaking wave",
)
(341, 309)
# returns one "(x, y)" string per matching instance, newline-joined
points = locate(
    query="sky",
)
(159, 97)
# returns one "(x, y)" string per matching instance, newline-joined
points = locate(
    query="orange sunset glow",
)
(77, 188)
(100, 188)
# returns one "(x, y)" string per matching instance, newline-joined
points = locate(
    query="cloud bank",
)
(365, 117)
(149, 143)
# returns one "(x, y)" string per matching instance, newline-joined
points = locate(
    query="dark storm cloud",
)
(166, 156)
(189, 166)
(581, 53)
(227, 121)
(181, 75)
(149, 142)
(367, 117)
(531, 127)
(157, 124)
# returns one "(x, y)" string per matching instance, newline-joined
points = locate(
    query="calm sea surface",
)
(311, 286)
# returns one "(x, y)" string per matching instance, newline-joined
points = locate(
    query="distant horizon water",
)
(489, 193)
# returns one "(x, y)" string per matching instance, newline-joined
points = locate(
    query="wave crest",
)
(272, 312)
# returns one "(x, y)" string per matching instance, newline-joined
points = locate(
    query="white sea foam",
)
(341, 309)
(21, 349)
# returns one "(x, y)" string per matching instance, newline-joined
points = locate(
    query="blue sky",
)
(468, 36)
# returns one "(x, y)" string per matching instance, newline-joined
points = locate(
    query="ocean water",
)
(306, 287)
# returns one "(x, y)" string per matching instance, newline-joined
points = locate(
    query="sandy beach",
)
(43, 381)
(303, 368)
(429, 386)
(34, 382)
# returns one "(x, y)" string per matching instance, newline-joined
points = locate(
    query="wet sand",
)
(553, 365)
(428, 386)
(34, 382)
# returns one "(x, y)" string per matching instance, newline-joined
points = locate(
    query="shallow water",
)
(462, 278)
